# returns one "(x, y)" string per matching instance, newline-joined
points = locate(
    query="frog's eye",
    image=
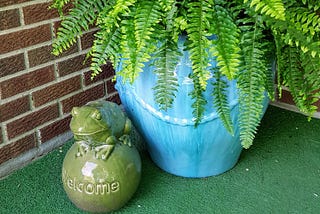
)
(74, 111)
(96, 115)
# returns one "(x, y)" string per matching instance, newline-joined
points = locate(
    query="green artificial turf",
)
(280, 173)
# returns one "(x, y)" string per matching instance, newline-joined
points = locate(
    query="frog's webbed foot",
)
(83, 148)
(125, 139)
(103, 151)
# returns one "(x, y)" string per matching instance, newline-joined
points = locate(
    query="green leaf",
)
(226, 46)
(80, 17)
(220, 101)
(251, 81)
(273, 8)
(165, 62)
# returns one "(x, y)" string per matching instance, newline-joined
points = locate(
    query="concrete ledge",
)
(292, 108)
(19, 162)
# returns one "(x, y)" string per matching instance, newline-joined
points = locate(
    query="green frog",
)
(99, 125)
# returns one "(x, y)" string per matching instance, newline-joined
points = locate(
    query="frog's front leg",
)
(127, 126)
(125, 139)
(83, 148)
(104, 151)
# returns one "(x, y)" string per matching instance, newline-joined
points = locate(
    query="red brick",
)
(11, 65)
(26, 82)
(110, 85)
(14, 149)
(56, 91)
(114, 98)
(9, 19)
(82, 98)
(108, 69)
(43, 55)
(32, 120)
(73, 65)
(12, 2)
(318, 105)
(1, 138)
(54, 129)
(100, 77)
(89, 81)
(286, 97)
(87, 40)
(25, 38)
(56, 26)
(14, 108)
(38, 12)
(107, 72)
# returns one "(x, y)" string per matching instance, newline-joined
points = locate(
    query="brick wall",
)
(38, 90)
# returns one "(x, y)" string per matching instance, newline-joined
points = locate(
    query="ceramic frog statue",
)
(99, 125)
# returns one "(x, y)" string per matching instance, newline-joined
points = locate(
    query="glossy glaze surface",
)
(174, 143)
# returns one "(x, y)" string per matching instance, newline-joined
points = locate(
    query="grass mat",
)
(280, 173)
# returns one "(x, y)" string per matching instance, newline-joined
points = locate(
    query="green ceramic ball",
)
(97, 185)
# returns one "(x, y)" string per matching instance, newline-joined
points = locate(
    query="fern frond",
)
(80, 18)
(226, 46)
(110, 17)
(198, 44)
(199, 103)
(220, 101)
(166, 58)
(311, 67)
(107, 41)
(304, 31)
(311, 4)
(272, 8)
(138, 38)
(105, 47)
(305, 21)
(172, 24)
(165, 62)
(270, 61)
(251, 81)
(147, 17)
(301, 76)
(301, 29)
(292, 73)
(59, 4)
(129, 50)
(298, 47)
(278, 48)
(167, 5)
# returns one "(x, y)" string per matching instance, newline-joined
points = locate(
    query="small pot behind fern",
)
(141, 39)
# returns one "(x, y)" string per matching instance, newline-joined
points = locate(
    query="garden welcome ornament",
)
(102, 169)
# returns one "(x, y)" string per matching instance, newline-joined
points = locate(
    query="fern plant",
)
(250, 34)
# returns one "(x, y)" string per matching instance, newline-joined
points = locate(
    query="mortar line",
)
(21, 5)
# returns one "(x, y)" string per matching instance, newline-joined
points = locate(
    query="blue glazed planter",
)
(174, 143)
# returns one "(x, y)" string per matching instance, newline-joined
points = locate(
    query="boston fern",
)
(249, 35)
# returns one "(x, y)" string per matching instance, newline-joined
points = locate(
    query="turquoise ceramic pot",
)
(174, 143)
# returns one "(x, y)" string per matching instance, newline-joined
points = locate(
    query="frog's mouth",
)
(89, 133)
